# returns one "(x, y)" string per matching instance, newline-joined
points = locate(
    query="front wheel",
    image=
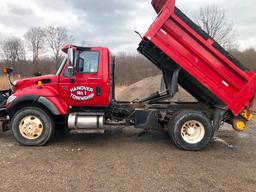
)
(32, 126)
(190, 130)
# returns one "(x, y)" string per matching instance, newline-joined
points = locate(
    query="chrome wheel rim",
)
(31, 127)
(193, 132)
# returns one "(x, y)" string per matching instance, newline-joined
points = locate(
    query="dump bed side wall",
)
(201, 58)
(190, 84)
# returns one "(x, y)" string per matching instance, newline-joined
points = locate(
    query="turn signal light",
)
(39, 84)
(7, 70)
(4, 70)
(247, 114)
(239, 124)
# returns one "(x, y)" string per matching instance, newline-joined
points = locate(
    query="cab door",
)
(86, 88)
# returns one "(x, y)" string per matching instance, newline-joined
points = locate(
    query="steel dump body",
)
(208, 72)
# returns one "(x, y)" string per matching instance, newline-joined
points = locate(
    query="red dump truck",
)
(80, 96)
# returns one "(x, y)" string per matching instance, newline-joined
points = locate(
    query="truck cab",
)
(84, 77)
(82, 82)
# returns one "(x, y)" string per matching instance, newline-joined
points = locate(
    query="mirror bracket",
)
(71, 66)
(71, 73)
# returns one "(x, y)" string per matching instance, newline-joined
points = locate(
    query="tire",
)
(190, 130)
(34, 118)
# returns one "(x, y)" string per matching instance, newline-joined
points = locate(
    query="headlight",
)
(15, 83)
(10, 99)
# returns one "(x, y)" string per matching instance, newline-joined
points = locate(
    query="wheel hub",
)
(193, 132)
(31, 127)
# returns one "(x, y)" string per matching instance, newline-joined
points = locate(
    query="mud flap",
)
(146, 119)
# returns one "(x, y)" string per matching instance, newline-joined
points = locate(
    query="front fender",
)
(54, 104)
(45, 96)
(20, 99)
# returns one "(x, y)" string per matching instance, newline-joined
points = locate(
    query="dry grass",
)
(4, 82)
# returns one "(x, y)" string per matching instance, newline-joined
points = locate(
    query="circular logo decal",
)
(81, 93)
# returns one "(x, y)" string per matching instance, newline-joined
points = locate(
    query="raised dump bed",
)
(208, 71)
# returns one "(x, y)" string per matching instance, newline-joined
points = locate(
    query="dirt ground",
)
(119, 160)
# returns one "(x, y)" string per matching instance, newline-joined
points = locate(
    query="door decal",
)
(81, 93)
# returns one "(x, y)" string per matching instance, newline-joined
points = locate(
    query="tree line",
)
(37, 40)
(130, 68)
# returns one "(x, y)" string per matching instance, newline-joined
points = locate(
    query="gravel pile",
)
(148, 86)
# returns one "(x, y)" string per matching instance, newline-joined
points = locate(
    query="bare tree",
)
(13, 49)
(213, 21)
(247, 57)
(35, 40)
(57, 37)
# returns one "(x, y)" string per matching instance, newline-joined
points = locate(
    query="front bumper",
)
(4, 95)
(3, 113)
(4, 120)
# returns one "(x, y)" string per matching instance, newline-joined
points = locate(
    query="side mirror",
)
(71, 71)
(71, 56)
(7, 70)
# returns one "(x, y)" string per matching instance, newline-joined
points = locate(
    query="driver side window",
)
(88, 62)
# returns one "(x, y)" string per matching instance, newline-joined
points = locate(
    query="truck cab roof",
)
(79, 48)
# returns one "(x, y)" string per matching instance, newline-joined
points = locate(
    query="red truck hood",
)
(46, 79)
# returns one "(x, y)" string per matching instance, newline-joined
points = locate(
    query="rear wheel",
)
(190, 130)
(32, 126)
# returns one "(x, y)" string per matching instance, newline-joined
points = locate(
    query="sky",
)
(112, 23)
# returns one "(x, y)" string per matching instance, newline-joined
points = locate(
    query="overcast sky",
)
(112, 22)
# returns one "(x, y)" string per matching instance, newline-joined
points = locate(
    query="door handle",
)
(64, 87)
(94, 78)
(98, 91)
